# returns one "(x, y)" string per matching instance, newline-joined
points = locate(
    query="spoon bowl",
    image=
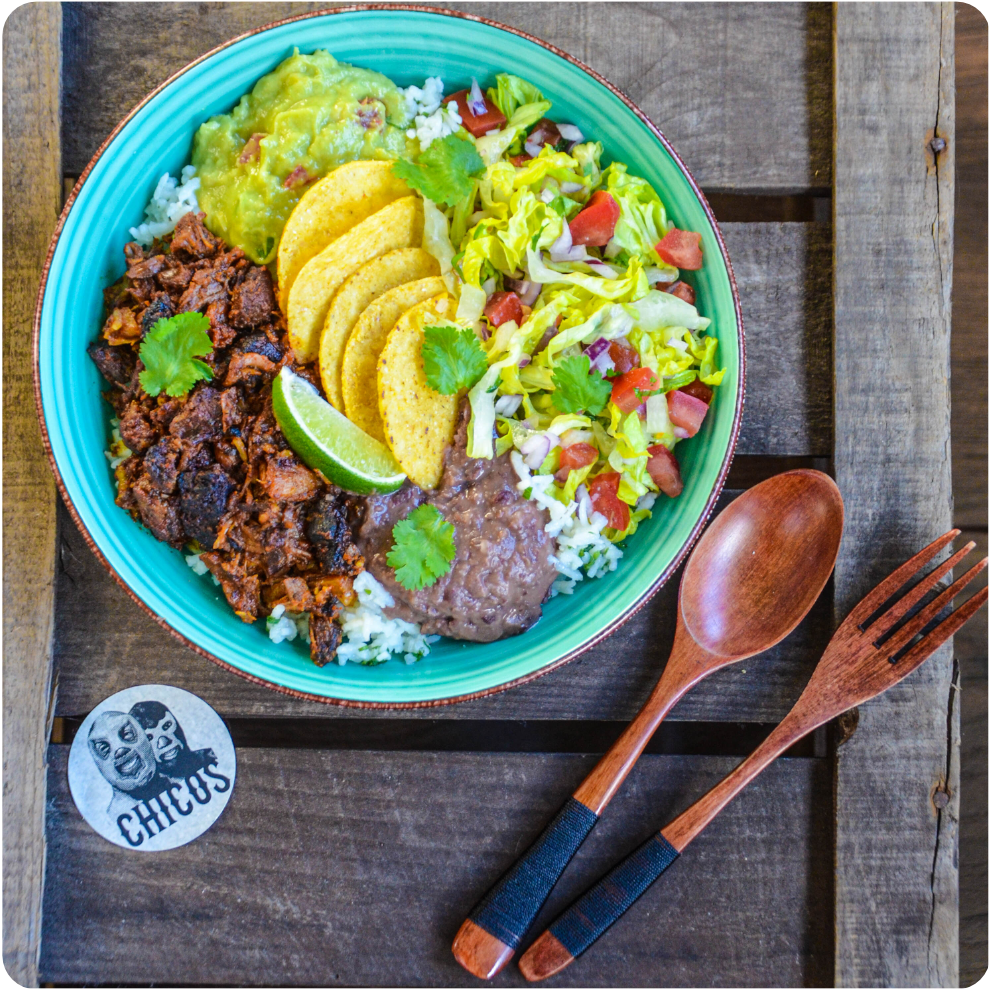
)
(762, 564)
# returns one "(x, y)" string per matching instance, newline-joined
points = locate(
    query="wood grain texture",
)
(32, 197)
(756, 118)
(104, 643)
(896, 880)
(372, 880)
(969, 346)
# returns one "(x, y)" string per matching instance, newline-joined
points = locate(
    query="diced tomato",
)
(664, 470)
(298, 176)
(624, 358)
(478, 125)
(604, 499)
(629, 389)
(686, 411)
(519, 160)
(575, 456)
(682, 249)
(503, 306)
(594, 225)
(698, 389)
(682, 291)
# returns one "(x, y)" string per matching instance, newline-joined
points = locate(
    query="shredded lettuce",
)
(493, 146)
(642, 223)
(436, 240)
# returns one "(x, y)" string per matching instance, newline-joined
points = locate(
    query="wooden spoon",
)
(874, 648)
(752, 578)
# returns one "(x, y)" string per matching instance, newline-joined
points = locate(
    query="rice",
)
(432, 119)
(284, 626)
(170, 201)
(119, 450)
(370, 637)
(582, 550)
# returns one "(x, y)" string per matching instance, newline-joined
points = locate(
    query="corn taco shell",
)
(329, 208)
(354, 296)
(399, 224)
(419, 422)
(359, 374)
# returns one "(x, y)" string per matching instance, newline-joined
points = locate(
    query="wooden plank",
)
(968, 468)
(104, 642)
(32, 197)
(749, 107)
(357, 868)
(896, 880)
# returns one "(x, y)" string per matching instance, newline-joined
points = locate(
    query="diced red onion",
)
(508, 405)
(547, 196)
(641, 409)
(489, 286)
(547, 336)
(680, 433)
(532, 149)
(484, 330)
(599, 356)
(475, 100)
(535, 449)
(527, 292)
(525, 360)
(569, 188)
(570, 132)
(564, 249)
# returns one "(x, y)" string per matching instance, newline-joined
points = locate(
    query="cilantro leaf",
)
(424, 548)
(444, 171)
(453, 359)
(578, 388)
(565, 207)
(169, 353)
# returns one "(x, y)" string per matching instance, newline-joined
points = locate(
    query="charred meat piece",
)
(147, 268)
(121, 327)
(192, 240)
(176, 277)
(136, 429)
(133, 252)
(116, 364)
(231, 409)
(201, 417)
(241, 587)
(292, 592)
(204, 496)
(207, 285)
(166, 411)
(159, 512)
(258, 343)
(341, 588)
(250, 370)
(285, 479)
(329, 535)
(160, 307)
(253, 300)
(325, 637)
(161, 463)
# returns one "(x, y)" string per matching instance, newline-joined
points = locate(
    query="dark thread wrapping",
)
(512, 904)
(608, 899)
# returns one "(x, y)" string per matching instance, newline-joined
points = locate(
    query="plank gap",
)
(806, 207)
(438, 735)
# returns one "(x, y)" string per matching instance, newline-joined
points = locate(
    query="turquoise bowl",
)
(86, 255)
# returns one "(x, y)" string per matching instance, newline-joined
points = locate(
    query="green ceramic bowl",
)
(86, 255)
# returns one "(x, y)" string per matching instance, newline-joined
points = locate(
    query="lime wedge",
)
(329, 442)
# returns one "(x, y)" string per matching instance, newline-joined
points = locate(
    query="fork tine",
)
(926, 615)
(911, 660)
(889, 618)
(879, 595)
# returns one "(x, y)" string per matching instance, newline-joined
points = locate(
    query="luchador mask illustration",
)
(162, 729)
(122, 751)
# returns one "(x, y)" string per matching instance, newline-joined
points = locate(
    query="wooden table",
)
(356, 842)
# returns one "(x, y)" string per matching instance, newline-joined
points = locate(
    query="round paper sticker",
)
(152, 767)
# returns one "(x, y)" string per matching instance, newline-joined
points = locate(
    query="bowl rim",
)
(615, 623)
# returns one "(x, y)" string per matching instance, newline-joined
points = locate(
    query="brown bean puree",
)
(501, 574)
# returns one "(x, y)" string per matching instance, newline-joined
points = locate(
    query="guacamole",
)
(298, 123)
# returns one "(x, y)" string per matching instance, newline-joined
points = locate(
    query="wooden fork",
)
(872, 650)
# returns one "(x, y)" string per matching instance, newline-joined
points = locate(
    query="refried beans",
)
(502, 572)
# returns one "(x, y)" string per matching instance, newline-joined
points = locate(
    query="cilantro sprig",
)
(423, 549)
(445, 170)
(578, 388)
(453, 358)
(169, 353)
